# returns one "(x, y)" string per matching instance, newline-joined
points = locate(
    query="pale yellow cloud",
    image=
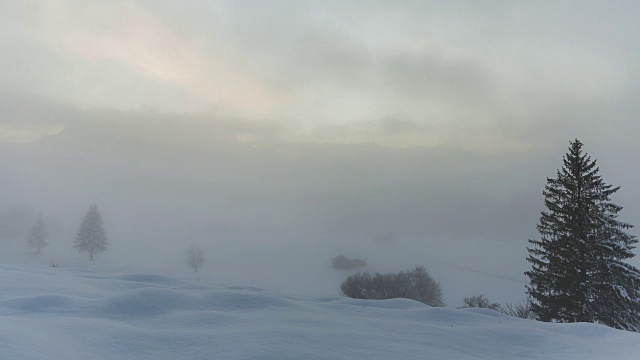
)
(407, 134)
(127, 35)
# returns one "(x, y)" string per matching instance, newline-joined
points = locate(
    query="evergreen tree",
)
(38, 235)
(91, 236)
(578, 272)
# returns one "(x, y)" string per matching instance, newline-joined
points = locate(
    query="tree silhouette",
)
(578, 273)
(91, 237)
(38, 235)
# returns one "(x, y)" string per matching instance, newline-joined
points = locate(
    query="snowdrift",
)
(58, 313)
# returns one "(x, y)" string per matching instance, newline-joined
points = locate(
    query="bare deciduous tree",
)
(520, 310)
(195, 258)
(425, 288)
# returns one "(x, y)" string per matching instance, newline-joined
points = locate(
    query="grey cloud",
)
(28, 109)
(402, 125)
(291, 43)
(330, 49)
(428, 76)
(325, 56)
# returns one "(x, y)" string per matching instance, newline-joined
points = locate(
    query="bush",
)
(479, 301)
(342, 262)
(415, 284)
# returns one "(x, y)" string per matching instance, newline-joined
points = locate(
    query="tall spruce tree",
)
(91, 236)
(578, 272)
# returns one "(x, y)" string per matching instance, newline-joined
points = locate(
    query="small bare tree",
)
(521, 310)
(195, 258)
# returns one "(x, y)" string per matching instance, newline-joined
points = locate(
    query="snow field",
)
(58, 313)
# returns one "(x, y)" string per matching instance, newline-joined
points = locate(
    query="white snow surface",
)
(65, 313)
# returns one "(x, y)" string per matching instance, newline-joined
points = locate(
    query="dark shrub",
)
(479, 301)
(415, 284)
(340, 262)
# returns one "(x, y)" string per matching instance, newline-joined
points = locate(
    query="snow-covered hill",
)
(62, 313)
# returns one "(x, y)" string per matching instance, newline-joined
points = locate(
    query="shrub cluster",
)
(415, 284)
(520, 310)
(479, 301)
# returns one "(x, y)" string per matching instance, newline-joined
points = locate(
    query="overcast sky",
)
(328, 121)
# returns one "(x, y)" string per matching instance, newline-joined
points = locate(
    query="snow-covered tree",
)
(578, 272)
(91, 237)
(38, 235)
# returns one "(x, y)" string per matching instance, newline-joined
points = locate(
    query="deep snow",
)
(65, 313)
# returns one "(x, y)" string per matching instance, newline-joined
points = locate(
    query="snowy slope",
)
(58, 313)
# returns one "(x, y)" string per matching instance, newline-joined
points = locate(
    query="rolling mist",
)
(275, 213)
